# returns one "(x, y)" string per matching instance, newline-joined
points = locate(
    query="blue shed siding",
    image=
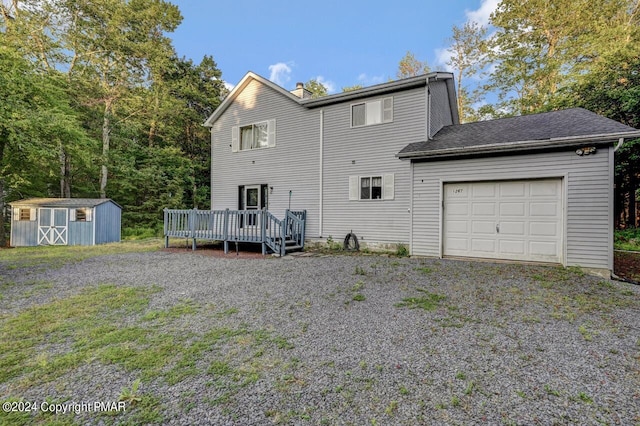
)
(24, 233)
(80, 233)
(107, 223)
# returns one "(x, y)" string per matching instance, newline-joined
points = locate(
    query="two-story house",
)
(392, 164)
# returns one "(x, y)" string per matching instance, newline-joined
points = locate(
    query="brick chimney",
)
(301, 92)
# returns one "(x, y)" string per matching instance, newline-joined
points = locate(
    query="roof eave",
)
(378, 89)
(562, 142)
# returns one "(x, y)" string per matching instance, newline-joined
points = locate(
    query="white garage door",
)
(516, 220)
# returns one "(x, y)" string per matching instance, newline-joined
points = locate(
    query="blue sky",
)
(340, 43)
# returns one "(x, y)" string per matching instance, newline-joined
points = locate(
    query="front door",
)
(252, 202)
(52, 226)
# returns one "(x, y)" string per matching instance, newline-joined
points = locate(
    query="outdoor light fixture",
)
(586, 150)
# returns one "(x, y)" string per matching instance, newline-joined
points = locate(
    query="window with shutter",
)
(372, 112)
(379, 187)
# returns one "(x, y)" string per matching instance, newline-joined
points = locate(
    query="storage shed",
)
(65, 221)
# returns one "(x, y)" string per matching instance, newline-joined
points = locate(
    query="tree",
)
(316, 88)
(35, 121)
(409, 66)
(541, 47)
(468, 57)
(352, 88)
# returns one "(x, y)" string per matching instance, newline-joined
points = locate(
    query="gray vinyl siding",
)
(292, 165)
(108, 224)
(440, 106)
(588, 182)
(373, 149)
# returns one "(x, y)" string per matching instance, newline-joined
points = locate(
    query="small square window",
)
(81, 215)
(25, 214)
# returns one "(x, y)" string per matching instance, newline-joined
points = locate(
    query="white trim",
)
(410, 209)
(441, 218)
(93, 240)
(612, 151)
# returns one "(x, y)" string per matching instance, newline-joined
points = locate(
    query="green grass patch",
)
(428, 302)
(57, 256)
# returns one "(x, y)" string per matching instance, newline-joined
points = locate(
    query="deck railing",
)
(239, 226)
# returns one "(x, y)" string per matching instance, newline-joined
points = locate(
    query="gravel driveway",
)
(354, 340)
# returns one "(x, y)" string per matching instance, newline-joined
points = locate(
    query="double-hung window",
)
(253, 136)
(372, 112)
(375, 187)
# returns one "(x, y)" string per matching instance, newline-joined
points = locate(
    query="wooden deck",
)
(246, 226)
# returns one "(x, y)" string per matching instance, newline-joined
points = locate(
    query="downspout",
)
(321, 207)
(619, 145)
(428, 112)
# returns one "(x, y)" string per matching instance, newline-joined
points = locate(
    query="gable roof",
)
(535, 131)
(62, 202)
(378, 89)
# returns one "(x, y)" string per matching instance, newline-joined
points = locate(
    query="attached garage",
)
(513, 219)
(531, 188)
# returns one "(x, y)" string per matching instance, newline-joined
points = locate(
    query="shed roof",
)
(535, 131)
(63, 202)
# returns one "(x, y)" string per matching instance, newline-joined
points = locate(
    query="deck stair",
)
(238, 226)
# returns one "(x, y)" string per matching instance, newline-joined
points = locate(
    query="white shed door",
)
(515, 220)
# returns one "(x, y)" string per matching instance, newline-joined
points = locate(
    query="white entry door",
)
(52, 226)
(515, 220)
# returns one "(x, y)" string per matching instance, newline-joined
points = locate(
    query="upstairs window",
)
(372, 112)
(253, 136)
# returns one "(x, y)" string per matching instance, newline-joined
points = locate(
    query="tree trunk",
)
(106, 139)
(65, 174)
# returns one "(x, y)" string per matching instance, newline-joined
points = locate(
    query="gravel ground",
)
(504, 344)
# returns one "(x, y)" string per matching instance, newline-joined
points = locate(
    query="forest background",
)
(95, 102)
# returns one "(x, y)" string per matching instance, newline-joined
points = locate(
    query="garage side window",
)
(24, 214)
(380, 187)
(81, 215)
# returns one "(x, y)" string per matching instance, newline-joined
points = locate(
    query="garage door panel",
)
(512, 189)
(512, 228)
(458, 244)
(548, 248)
(513, 209)
(483, 227)
(458, 209)
(483, 209)
(481, 245)
(518, 220)
(481, 190)
(543, 229)
(549, 209)
(511, 247)
(457, 226)
(543, 189)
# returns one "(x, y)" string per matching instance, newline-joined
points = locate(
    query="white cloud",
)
(330, 85)
(443, 56)
(483, 13)
(366, 80)
(228, 85)
(280, 73)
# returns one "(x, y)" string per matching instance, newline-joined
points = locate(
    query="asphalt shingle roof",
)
(574, 122)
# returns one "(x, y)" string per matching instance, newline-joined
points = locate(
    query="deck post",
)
(283, 232)
(225, 231)
(166, 235)
(193, 214)
(263, 231)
